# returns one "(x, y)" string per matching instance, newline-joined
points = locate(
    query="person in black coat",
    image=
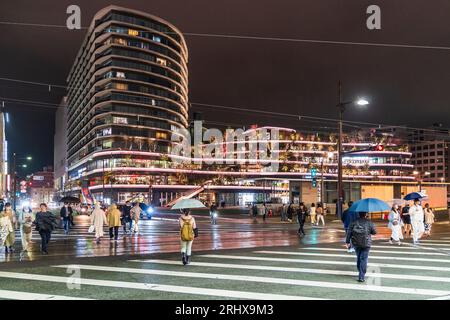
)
(66, 213)
(45, 223)
(360, 234)
(302, 213)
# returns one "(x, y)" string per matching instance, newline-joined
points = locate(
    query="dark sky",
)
(405, 86)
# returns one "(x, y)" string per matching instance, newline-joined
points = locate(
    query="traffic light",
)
(378, 147)
(314, 183)
(313, 172)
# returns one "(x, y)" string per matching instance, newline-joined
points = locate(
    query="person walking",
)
(264, 211)
(406, 220)
(395, 225)
(6, 228)
(290, 212)
(98, 220)
(302, 213)
(114, 222)
(11, 237)
(347, 218)
(429, 219)
(417, 219)
(254, 212)
(26, 219)
(312, 213)
(135, 214)
(45, 224)
(71, 223)
(283, 212)
(360, 234)
(65, 214)
(320, 213)
(187, 235)
(126, 217)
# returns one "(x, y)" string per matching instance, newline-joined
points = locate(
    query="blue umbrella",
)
(415, 195)
(370, 205)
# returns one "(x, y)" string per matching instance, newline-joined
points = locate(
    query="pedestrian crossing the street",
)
(316, 272)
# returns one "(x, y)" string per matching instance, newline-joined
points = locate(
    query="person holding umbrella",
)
(188, 227)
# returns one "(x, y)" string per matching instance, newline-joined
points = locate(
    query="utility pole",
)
(340, 196)
(14, 181)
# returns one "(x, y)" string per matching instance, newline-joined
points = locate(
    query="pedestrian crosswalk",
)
(309, 272)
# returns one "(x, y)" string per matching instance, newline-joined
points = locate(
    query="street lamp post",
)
(341, 108)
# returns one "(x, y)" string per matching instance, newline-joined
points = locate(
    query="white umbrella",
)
(188, 204)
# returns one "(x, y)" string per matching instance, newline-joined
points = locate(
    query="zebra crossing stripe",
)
(351, 256)
(348, 263)
(437, 241)
(391, 246)
(381, 251)
(159, 287)
(321, 284)
(19, 295)
(299, 270)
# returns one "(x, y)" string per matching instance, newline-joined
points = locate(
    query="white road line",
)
(381, 251)
(423, 244)
(437, 241)
(19, 295)
(159, 287)
(321, 284)
(441, 298)
(391, 247)
(347, 263)
(351, 256)
(300, 270)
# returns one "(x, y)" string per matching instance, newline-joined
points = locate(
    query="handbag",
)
(27, 229)
(91, 229)
(196, 233)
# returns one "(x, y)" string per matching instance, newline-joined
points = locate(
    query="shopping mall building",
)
(128, 111)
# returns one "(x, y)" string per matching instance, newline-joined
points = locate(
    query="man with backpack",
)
(45, 223)
(360, 234)
(347, 218)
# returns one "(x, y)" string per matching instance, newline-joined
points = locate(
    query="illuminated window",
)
(161, 135)
(156, 38)
(161, 61)
(120, 74)
(120, 120)
(106, 132)
(132, 32)
(121, 86)
(107, 144)
(121, 41)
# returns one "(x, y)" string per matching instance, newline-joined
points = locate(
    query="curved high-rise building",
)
(128, 92)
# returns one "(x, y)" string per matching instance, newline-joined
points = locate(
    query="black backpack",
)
(360, 235)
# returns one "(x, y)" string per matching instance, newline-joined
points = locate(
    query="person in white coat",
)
(135, 215)
(6, 228)
(395, 225)
(26, 219)
(417, 218)
(98, 220)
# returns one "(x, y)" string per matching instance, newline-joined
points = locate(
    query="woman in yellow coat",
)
(11, 238)
(114, 222)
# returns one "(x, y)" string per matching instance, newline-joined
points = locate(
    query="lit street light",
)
(341, 107)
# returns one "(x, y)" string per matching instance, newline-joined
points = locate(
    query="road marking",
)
(321, 284)
(300, 270)
(381, 251)
(18, 295)
(351, 256)
(158, 287)
(438, 241)
(347, 263)
(441, 298)
(391, 247)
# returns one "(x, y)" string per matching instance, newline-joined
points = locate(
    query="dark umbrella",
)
(70, 199)
(415, 195)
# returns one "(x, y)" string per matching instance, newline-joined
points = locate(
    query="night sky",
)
(404, 86)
